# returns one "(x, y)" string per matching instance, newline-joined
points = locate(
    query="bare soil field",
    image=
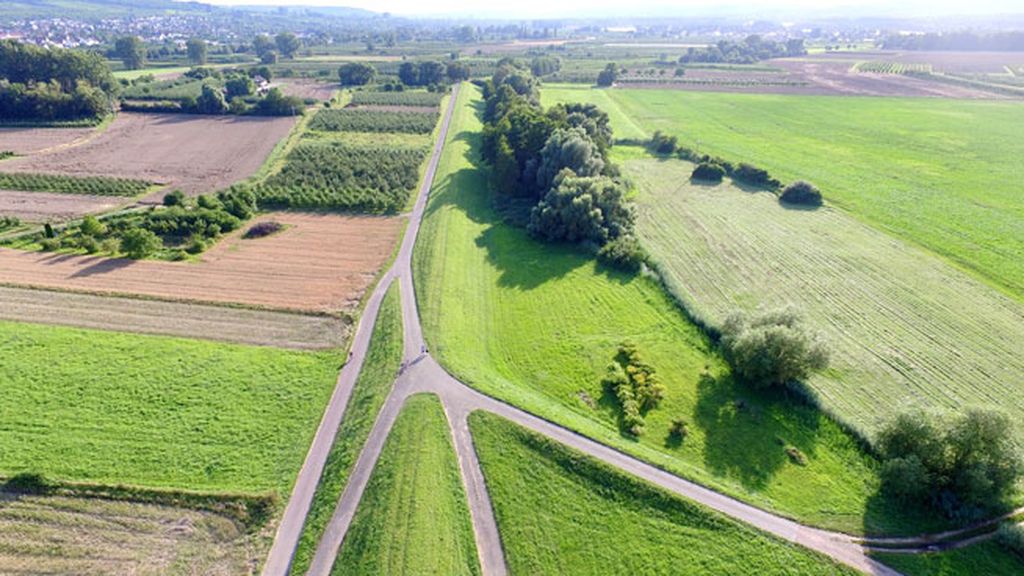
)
(147, 316)
(195, 154)
(87, 536)
(819, 74)
(47, 206)
(25, 141)
(319, 263)
(306, 88)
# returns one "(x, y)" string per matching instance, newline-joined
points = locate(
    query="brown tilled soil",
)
(306, 88)
(319, 263)
(46, 206)
(821, 74)
(194, 153)
(26, 141)
(147, 316)
(89, 536)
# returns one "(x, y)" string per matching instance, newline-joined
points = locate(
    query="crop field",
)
(174, 89)
(374, 121)
(49, 206)
(413, 518)
(410, 98)
(936, 172)
(305, 88)
(929, 334)
(886, 67)
(90, 536)
(560, 512)
(88, 185)
(111, 408)
(988, 558)
(24, 141)
(319, 263)
(368, 395)
(149, 316)
(329, 174)
(193, 153)
(488, 297)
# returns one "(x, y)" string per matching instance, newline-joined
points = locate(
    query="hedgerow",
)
(397, 98)
(95, 185)
(336, 176)
(374, 121)
(635, 385)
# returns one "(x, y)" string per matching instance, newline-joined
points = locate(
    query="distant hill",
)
(333, 11)
(96, 9)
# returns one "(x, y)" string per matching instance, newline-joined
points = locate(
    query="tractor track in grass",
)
(420, 373)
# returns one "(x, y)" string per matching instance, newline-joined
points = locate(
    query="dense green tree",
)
(53, 83)
(269, 58)
(609, 75)
(356, 74)
(568, 148)
(772, 348)
(131, 51)
(276, 103)
(578, 209)
(287, 44)
(708, 171)
(262, 44)
(139, 243)
(544, 65)
(196, 48)
(239, 85)
(457, 71)
(801, 192)
(211, 101)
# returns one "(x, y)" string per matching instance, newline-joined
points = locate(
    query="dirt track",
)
(46, 206)
(319, 263)
(25, 141)
(194, 153)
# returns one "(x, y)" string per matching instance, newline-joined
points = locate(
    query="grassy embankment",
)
(413, 517)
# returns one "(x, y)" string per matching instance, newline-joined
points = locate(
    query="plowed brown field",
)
(196, 154)
(319, 263)
(33, 140)
(45, 206)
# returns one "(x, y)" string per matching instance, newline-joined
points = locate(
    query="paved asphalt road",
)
(422, 374)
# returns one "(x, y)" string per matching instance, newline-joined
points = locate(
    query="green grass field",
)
(536, 325)
(988, 558)
(105, 407)
(927, 334)
(371, 389)
(939, 172)
(413, 518)
(560, 512)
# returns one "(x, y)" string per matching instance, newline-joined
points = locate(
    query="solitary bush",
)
(262, 229)
(960, 464)
(801, 192)
(772, 348)
(176, 198)
(1011, 537)
(636, 387)
(709, 172)
(754, 176)
(663, 143)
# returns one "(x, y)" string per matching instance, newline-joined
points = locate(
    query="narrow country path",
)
(422, 374)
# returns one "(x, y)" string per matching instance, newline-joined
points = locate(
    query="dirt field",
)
(24, 141)
(319, 263)
(239, 325)
(47, 207)
(60, 535)
(195, 154)
(306, 88)
(825, 74)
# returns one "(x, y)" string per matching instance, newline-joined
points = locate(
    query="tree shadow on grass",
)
(747, 433)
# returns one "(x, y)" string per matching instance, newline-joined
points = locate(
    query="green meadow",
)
(939, 172)
(106, 407)
(413, 518)
(536, 325)
(988, 558)
(560, 512)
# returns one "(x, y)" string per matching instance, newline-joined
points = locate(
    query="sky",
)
(558, 8)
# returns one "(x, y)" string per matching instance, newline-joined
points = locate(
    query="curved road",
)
(422, 374)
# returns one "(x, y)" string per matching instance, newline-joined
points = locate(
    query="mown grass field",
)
(106, 407)
(413, 518)
(939, 172)
(560, 512)
(536, 325)
(988, 558)
(371, 389)
(902, 325)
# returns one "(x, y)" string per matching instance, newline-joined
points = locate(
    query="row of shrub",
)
(94, 185)
(799, 192)
(635, 385)
(664, 144)
(374, 121)
(333, 175)
(405, 98)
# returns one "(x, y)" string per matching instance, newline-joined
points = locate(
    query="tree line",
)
(751, 49)
(555, 162)
(970, 41)
(53, 84)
